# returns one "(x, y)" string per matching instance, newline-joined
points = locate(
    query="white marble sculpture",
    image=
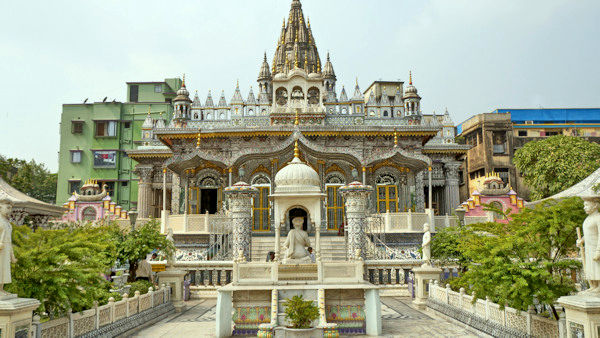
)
(591, 254)
(170, 257)
(426, 244)
(6, 251)
(296, 243)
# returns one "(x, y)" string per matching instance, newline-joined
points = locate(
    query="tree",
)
(445, 247)
(62, 268)
(556, 163)
(135, 245)
(525, 259)
(30, 177)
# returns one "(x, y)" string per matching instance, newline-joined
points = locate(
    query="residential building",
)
(496, 136)
(94, 137)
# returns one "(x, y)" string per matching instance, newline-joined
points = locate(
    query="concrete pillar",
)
(582, 314)
(240, 206)
(224, 314)
(16, 315)
(372, 312)
(163, 214)
(451, 188)
(356, 196)
(144, 190)
(423, 275)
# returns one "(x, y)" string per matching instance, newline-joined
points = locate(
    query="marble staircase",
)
(332, 247)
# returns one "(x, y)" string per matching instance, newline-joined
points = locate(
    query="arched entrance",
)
(298, 212)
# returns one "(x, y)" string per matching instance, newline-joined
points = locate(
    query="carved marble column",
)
(144, 190)
(419, 192)
(451, 188)
(356, 196)
(240, 208)
(175, 193)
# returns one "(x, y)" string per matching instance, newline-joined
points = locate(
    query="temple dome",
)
(297, 177)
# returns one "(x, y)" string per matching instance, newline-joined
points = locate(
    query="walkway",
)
(399, 320)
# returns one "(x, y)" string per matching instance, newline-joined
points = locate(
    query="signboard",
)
(105, 158)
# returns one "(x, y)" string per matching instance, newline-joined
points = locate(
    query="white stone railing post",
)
(562, 325)
(448, 293)
(97, 315)
(409, 220)
(37, 327)
(111, 304)
(474, 305)
(461, 297)
(240, 205)
(71, 328)
(137, 297)
(530, 312)
(151, 293)
(487, 307)
(126, 299)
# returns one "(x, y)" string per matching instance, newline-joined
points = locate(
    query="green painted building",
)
(94, 138)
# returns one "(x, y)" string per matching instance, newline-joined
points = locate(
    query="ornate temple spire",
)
(328, 69)
(343, 95)
(209, 101)
(251, 98)
(237, 95)
(222, 101)
(296, 33)
(358, 96)
(265, 73)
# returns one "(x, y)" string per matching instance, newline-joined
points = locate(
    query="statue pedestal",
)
(423, 275)
(16, 315)
(174, 278)
(583, 314)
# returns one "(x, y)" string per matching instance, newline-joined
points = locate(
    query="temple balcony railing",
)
(198, 224)
(403, 222)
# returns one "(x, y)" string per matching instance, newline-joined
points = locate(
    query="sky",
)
(470, 57)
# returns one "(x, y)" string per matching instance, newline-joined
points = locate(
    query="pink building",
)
(92, 205)
(496, 194)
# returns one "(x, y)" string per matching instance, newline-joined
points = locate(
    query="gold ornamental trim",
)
(159, 155)
(444, 151)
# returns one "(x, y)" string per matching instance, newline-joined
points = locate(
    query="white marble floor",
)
(399, 320)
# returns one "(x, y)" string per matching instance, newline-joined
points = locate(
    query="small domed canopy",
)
(297, 178)
(182, 93)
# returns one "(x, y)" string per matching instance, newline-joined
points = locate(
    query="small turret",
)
(182, 105)
(412, 100)
(329, 80)
(265, 85)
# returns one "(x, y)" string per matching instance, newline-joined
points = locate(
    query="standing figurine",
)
(426, 244)
(7, 255)
(591, 229)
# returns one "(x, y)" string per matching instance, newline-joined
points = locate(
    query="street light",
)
(132, 218)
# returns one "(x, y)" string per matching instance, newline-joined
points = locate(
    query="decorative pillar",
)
(419, 192)
(451, 188)
(356, 196)
(163, 214)
(175, 194)
(144, 190)
(230, 177)
(430, 197)
(240, 206)
(364, 175)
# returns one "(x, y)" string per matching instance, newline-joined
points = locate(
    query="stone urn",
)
(312, 332)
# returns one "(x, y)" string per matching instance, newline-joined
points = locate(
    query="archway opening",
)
(298, 212)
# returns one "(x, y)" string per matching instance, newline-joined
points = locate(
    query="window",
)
(158, 88)
(124, 183)
(387, 199)
(385, 113)
(74, 186)
(503, 173)
(499, 139)
(75, 156)
(127, 125)
(260, 210)
(110, 187)
(551, 133)
(522, 132)
(335, 208)
(105, 158)
(77, 127)
(106, 128)
(133, 93)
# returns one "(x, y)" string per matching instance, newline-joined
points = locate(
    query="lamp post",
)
(460, 213)
(133, 214)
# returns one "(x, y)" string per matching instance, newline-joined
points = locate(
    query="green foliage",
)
(62, 268)
(137, 244)
(516, 262)
(556, 163)
(30, 177)
(445, 247)
(300, 312)
(141, 286)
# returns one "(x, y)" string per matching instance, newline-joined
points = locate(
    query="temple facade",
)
(379, 137)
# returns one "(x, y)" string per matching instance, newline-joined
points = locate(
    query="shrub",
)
(300, 312)
(141, 286)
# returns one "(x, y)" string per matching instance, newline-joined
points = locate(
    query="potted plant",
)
(300, 313)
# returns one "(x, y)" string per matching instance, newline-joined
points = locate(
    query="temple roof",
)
(28, 204)
(296, 45)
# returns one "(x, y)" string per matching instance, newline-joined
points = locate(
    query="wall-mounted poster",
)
(105, 158)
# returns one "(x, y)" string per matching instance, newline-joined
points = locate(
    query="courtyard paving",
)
(399, 320)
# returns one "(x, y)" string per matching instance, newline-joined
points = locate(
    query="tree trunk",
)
(132, 269)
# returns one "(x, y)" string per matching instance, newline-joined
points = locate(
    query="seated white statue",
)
(296, 243)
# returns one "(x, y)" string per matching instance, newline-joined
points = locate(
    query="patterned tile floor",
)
(399, 320)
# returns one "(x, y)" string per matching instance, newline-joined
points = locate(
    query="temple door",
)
(335, 207)
(387, 198)
(260, 210)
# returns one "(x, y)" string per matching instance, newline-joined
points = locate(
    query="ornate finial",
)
(410, 77)
(296, 60)
(395, 138)
(306, 62)
(183, 82)
(357, 81)
(319, 66)
(296, 151)
(237, 84)
(308, 22)
(283, 25)
(149, 108)
(296, 120)
(198, 139)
